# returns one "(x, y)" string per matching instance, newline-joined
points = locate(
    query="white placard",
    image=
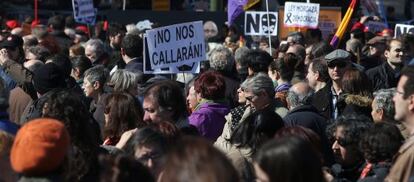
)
(176, 45)
(402, 29)
(256, 23)
(191, 68)
(83, 9)
(304, 15)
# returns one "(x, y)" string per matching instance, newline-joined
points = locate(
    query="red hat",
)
(12, 24)
(40, 147)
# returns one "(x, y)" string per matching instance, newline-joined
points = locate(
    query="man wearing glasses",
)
(326, 99)
(387, 74)
(403, 168)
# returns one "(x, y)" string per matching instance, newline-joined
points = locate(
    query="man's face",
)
(401, 104)
(375, 113)
(90, 54)
(152, 112)
(376, 49)
(258, 101)
(209, 30)
(116, 40)
(312, 77)
(395, 55)
(344, 154)
(336, 69)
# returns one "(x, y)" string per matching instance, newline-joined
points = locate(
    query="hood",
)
(362, 101)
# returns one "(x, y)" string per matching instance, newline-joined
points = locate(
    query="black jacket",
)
(322, 101)
(383, 76)
(307, 116)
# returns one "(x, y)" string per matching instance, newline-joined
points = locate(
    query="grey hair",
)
(240, 54)
(258, 83)
(383, 100)
(97, 74)
(96, 45)
(297, 99)
(221, 59)
(124, 80)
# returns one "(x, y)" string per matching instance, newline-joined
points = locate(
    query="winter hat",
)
(48, 77)
(40, 147)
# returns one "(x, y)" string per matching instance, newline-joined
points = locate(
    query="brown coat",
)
(403, 166)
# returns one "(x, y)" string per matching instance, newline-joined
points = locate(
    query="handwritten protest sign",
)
(257, 23)
(303, 15)
(176, 45)
(84, 12)
(191, 68)
(402, 29)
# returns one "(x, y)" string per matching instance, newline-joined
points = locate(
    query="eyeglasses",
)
(340, 64)
(250, 98)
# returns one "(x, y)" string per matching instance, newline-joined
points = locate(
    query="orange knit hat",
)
(40, 147)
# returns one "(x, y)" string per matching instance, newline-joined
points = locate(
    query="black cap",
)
(12, 41)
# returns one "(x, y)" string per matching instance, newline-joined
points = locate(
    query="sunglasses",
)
(340, 64)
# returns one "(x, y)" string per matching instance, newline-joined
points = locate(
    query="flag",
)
(344, 23)
(234, 9)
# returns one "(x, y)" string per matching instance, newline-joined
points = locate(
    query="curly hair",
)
(124, 114)
(210, 85)
(66, 106)
(381, 142)
(353, 127)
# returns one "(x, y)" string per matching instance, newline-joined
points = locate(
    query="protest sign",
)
(402, 29)
(84, 12)
(256, 23)
(329, 20)
(176, 45)
(191, 68)
(303, 15)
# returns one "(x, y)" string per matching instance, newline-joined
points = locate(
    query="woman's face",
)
(192, 99)
(242, 98)
(152, 157)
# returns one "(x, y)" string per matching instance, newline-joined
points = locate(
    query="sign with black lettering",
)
(191, 68)
(176, 45)
(258, 23)
(302, 15)
(402, 29)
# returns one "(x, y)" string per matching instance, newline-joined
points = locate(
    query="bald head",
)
(210, 29)
(298, 95)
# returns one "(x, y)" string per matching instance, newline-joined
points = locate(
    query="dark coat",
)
(383, 76)
(377, 173)
(307, 116)
(322, 101)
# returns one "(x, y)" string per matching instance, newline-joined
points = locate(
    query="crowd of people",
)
(75, 105)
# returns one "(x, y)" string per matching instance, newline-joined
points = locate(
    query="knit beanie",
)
(48, 77)
(40, 147)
